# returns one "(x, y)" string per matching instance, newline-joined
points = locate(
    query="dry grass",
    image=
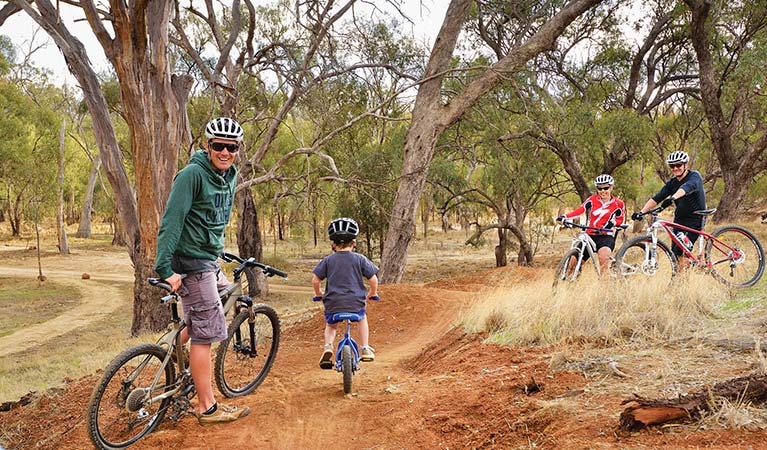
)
(606, 311)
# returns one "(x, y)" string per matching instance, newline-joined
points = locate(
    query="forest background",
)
(504, 122)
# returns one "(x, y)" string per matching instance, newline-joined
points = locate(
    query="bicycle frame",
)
(669, 227)
(588, 246)
(348, 340)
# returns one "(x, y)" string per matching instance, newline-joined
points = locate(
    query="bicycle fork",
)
(250, 349)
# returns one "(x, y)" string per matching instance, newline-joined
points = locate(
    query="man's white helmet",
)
(677, 157)
(224, 128)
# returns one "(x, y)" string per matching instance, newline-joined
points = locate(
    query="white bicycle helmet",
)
(677, 157)
(224, 128)
(343, 230)
(604, 179)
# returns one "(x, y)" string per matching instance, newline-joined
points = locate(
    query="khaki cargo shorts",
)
(203, 311)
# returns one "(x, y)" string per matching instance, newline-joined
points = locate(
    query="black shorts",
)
(602, 240)
(690, 235)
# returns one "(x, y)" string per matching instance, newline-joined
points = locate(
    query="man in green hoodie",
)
(190, 239)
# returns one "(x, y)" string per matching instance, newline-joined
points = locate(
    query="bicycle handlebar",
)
(601, 230)
(251, 262)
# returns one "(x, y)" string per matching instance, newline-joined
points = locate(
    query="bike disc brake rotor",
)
(737, 256)
(135, 400)
(649, 267)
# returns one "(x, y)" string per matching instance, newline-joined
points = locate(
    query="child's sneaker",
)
(223, 414)
(326, 362)
(367, 354)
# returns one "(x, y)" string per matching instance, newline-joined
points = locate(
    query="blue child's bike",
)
(348, 351)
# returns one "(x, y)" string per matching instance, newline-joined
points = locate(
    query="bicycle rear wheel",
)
(633, 259)
(741, 267)
(243, 360)
(118, 413)
(564, 272)
(346, 359)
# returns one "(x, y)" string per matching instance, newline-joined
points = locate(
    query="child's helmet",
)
(343, 230)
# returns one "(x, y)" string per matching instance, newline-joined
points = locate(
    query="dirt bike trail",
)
(300, 406)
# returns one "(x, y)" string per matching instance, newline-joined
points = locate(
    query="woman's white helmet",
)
(604, 179)
(677, 157)
(224, 128)
(343, 230)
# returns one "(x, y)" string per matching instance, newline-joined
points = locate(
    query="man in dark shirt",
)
(685, 190)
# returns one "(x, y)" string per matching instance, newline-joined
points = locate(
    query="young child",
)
(345, 290)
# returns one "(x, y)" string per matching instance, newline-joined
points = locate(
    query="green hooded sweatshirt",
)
(196, 214)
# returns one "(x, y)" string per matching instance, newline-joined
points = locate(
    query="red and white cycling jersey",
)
(611, 212)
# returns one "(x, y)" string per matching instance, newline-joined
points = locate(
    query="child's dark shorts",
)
(329, 317)
(203, 311)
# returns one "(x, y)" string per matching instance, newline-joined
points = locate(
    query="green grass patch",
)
(738, 305)
(24, 303)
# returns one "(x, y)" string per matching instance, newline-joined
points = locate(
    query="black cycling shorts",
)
(603, 240)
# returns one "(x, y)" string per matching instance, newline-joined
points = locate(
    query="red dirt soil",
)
(431, 387)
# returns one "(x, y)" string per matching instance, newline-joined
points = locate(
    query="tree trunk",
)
(61, 225)
(501, 249)
(430, 118)
(249, 242)
(84, 229)
(646, 412)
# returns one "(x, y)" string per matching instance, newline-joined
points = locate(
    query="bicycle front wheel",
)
(635, 258)
(739, 263)
(119, 413)
(346, 355)
(244, 359)
(567, 271)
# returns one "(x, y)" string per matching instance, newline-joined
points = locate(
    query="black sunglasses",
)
(603, 188)
(675, 166)
(220, 146)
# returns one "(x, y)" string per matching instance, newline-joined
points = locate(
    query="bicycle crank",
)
(179, 407)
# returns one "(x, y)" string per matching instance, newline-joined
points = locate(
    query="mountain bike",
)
(571, 264)
(145, 383)
(732, 254)
(347, 360)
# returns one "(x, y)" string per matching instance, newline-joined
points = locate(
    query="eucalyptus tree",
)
(302, 47)
(134, 38)
(593, 99)
(537, 29)
(730, 41)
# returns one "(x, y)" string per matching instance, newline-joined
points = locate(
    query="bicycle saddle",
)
(705, 212)
(352, 317)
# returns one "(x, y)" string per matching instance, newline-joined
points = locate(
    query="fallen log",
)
(643, 412)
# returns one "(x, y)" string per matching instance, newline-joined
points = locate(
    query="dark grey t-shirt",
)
(345, 287)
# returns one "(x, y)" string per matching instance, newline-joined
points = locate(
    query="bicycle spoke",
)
(637, 257)
(735, 257)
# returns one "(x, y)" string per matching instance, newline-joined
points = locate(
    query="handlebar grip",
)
(317, 298)
(279, 273)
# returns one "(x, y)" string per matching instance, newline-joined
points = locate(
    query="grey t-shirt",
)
(345, 287)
